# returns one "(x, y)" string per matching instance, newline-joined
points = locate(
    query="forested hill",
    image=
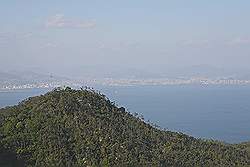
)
(69, 127)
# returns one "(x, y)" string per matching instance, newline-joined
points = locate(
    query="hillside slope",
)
(69, 127)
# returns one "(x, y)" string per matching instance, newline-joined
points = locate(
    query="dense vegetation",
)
(69, 127)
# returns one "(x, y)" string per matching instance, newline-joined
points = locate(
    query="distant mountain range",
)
(119, 72)
(27, 77)
(153, 71)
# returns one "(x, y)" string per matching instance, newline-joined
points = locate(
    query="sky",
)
(88, 36)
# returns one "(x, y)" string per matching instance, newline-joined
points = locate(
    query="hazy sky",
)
(63, 35)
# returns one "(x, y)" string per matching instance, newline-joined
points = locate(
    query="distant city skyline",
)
(70, 38)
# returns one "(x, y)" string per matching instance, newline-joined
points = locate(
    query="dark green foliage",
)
(69, 127)
(9, 159)
(244, 146)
